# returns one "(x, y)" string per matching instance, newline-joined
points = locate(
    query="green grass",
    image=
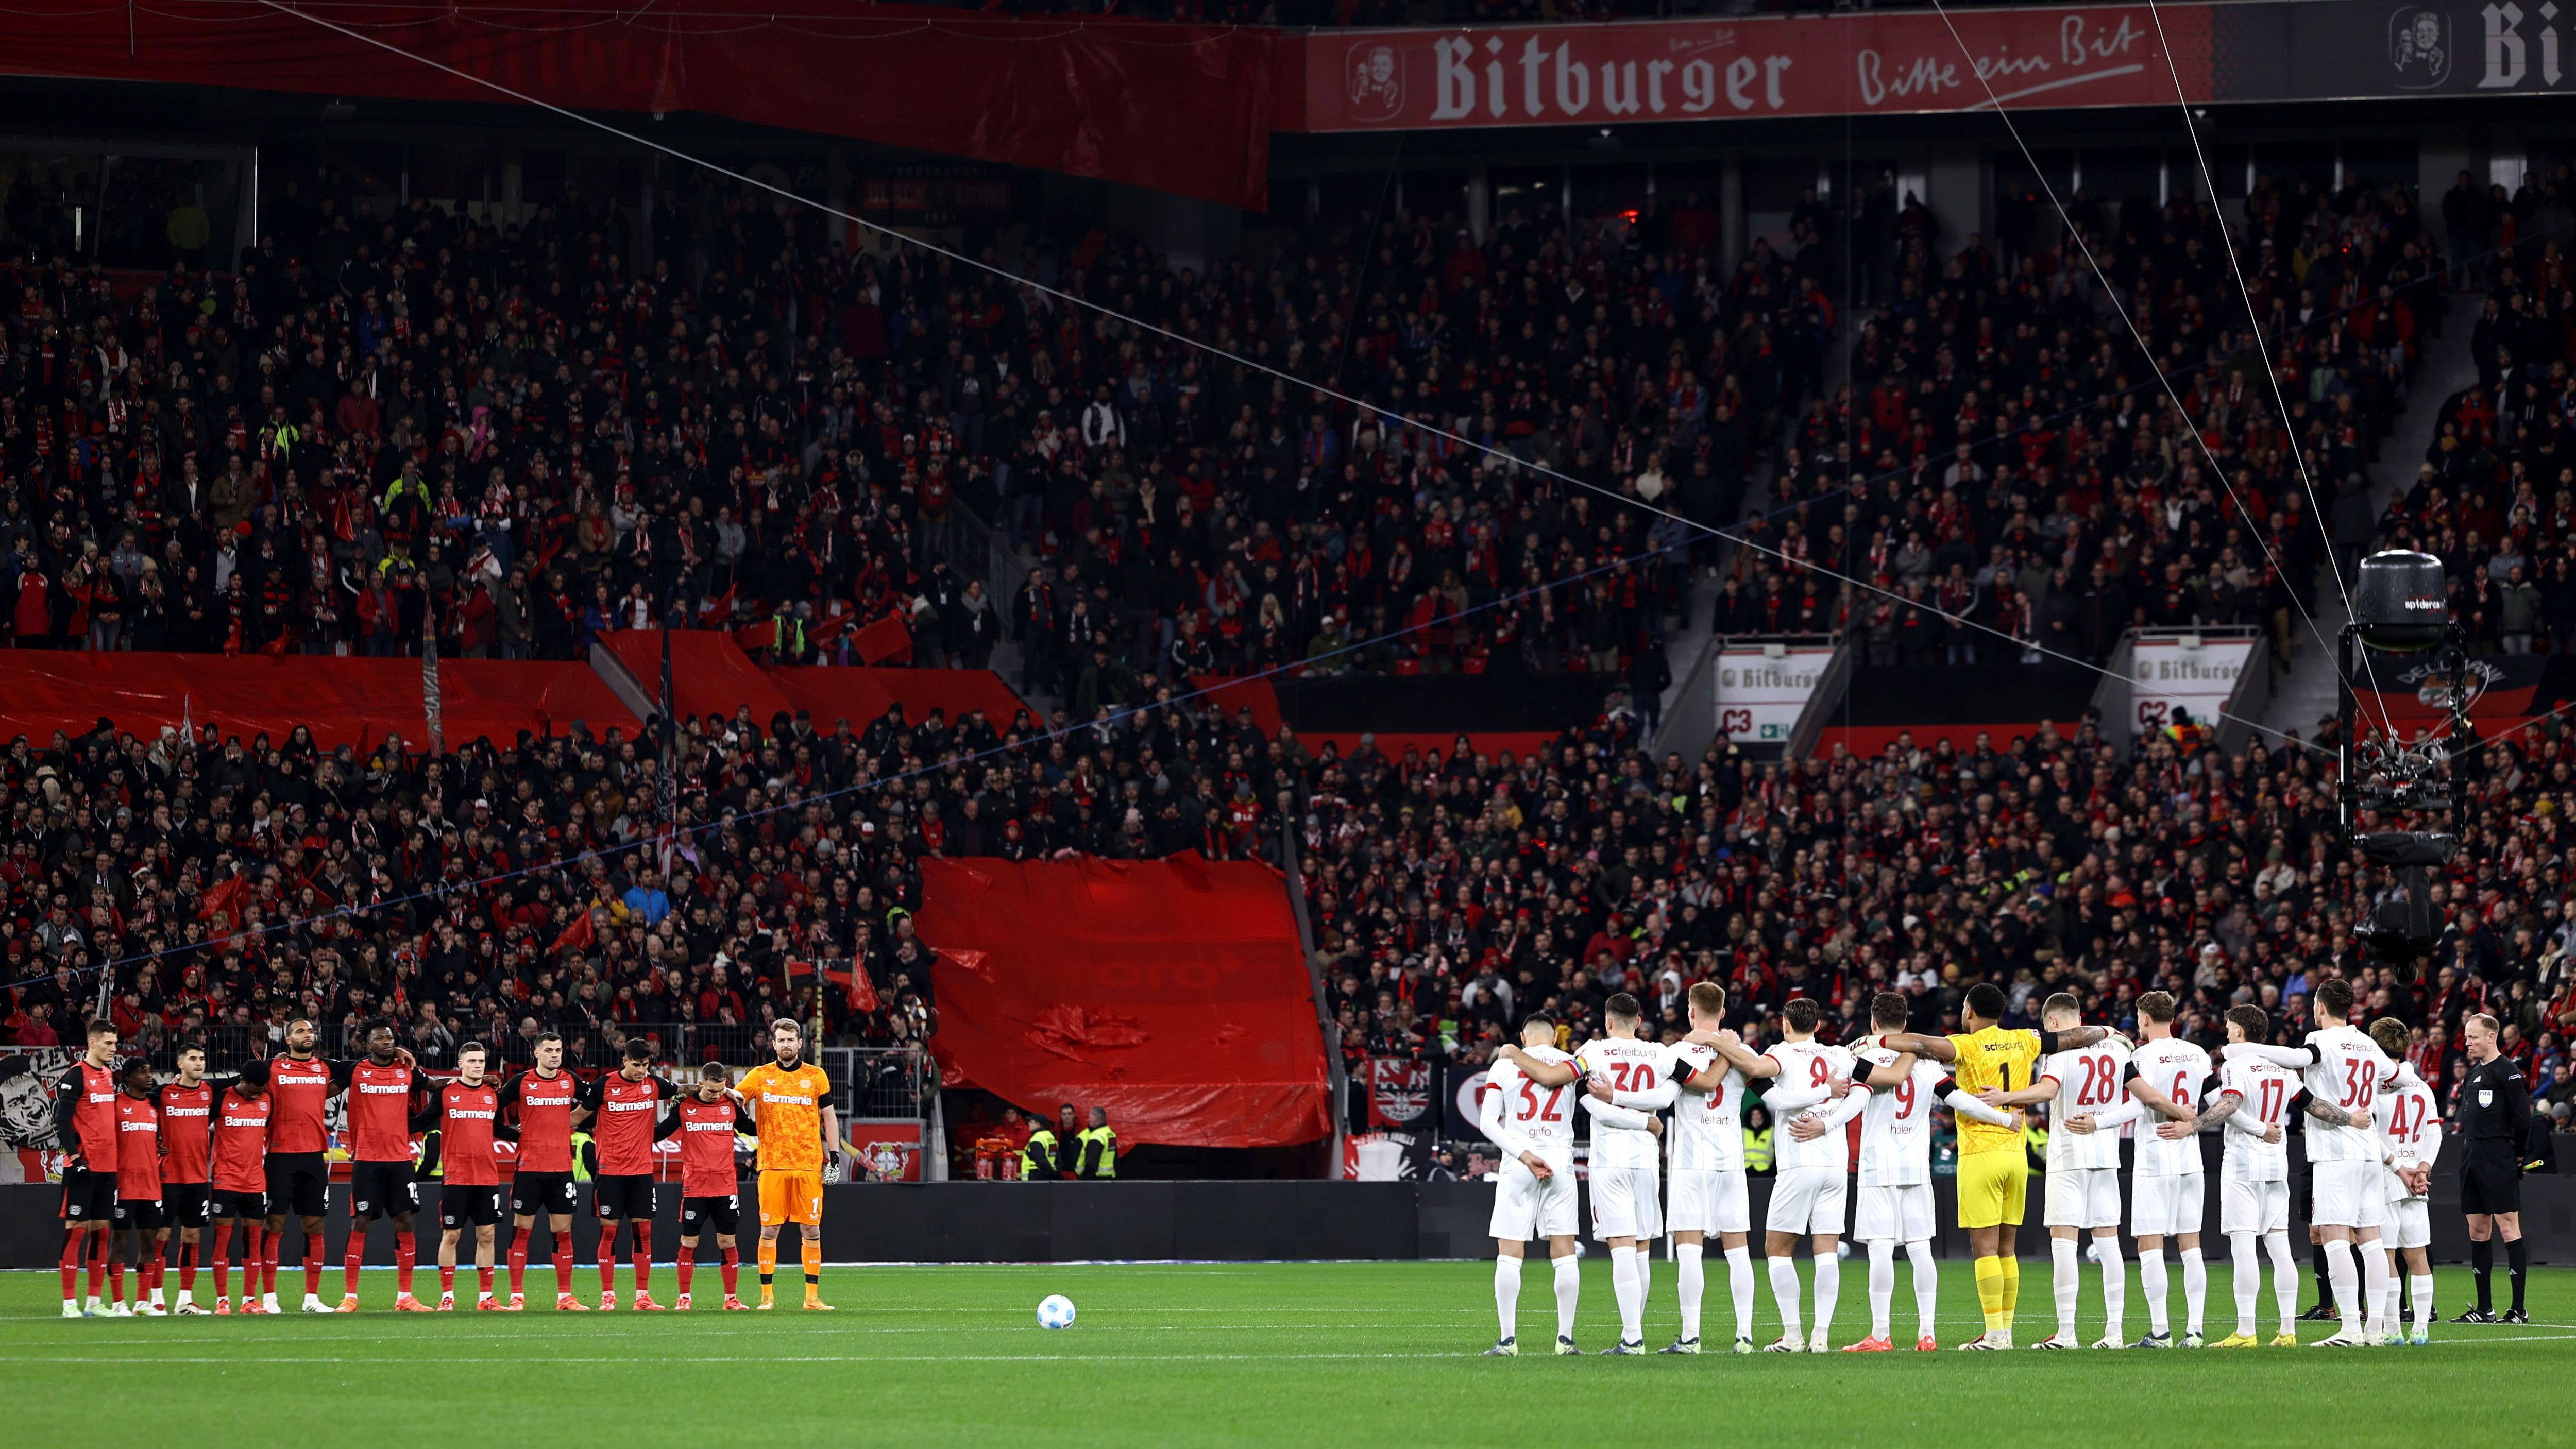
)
(1219, 1353)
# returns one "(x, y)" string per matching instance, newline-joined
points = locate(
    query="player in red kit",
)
(85, 1124)
(710, 1182)
(299, 1141)
(187, 1118)
(241, 1190)
(465, 1116)
(138, 1191)
(382, 1182)
(543, 1100)
(623, 1110)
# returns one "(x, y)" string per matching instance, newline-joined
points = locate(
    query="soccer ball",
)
(1056, 1312)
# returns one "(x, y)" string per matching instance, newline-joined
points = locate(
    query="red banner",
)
(1088, 97)
(1694, 70)
(1170, 992)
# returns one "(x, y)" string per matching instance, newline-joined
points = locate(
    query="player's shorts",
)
(1526, 1205)
(2409, 1225)
(1708, 1200)
(1992, 1187)
(139, 1214)
(299, 1184)
(2082, 1197)
(2253, 1207)
(1807, 1200)
(532, 1193)
(379, 1188)
(469, 1204)
(185, 1203)
(623, 1196)
(231, 1206)
(2348, 1194)
(1899, 1214)
(797, 1197)
(1627, 1202)
(2169, 1205)
(723, 1214)
(89, 1197)
(2490, 1182)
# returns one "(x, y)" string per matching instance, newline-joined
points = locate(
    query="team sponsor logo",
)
(2419, 46)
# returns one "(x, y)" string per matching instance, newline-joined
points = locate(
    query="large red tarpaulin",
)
(1170, 992)
(1695, 70)
(355, 702)
(1089, 97)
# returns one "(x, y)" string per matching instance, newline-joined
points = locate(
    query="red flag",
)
(863, 991)
(227, 897)
(886, 641)
(578, 936)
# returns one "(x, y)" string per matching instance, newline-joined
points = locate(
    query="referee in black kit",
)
(2495, 1113)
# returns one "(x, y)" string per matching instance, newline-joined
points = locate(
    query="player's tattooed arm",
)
(2334, 1116)
(1936, 1048)
(2220, 1108)
(2072, 1038)
(1545, 1074)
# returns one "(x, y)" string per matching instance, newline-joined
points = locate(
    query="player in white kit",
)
(2410, 1137)
(1896, 1172)
(1626, 1081)
(1534, 1192)
(2083, 1168)
(1811, 1158)
(1706, 1192)
(2167, 1185)
(2342, 1069)
(2253, 1101)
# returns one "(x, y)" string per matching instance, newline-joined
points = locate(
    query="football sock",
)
(188, 1267)
(2115, 1283)
(406, 1258)
(313, 1267)
(1623, 1289)
(732, 1269)
(355, 1258)
(1507, 1293)
(2421, 1286)
(608, 1261)
(2012, 1287)
(116, 1278)
(2285, 1277)
(2482, 1266)
(72, 1241)
(224, 1263)
(1739, 1286)
(2390, 1319)
(2517, 1257)
(148, 1272)
(643, 1256)
(2195, 1290)
(2156, 1288)
(1882, 1285)
(684, 1263)
(2246, 1280)
(2375, 1274)
(1693, 1278)
(563, 1263)
(519, 1261)
(1990, 1290)
(446, 1280)
(483, 1276)
(2064, 1280)
(97, 1263)
(813, 1246)
(1784, 1293)
(264, 1247)
(768, 1262)
(2344, 1276)
(1569, 1293)
(1927, 1287)
(1641, 1273)
(1829, 1289)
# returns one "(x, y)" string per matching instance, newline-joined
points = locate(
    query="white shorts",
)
(1627, 1202)
(2166, 1206)
(1900, 1214)
(1806, 1200)
(2410, 1223)
(1708, 1201)
(2083, 1197)
(2253, 1207)
(1528, 1206)
(2348, 1195)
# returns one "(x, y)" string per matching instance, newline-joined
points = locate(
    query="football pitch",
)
(1239, 1353)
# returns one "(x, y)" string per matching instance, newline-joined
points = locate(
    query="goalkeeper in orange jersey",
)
(791, 1101)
